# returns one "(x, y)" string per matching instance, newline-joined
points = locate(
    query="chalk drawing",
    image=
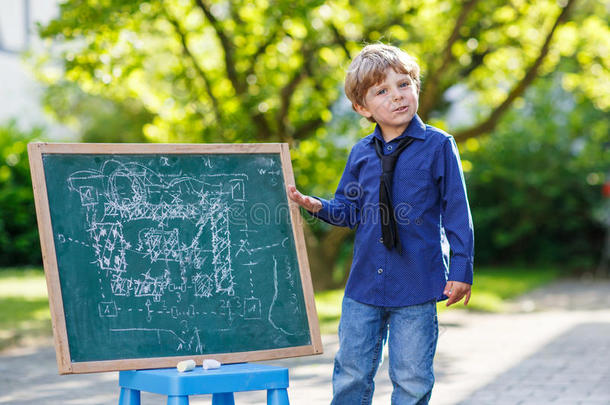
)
(185, 231)
(291, 302)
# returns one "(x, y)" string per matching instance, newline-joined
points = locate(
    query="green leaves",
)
(528, 188)
(272, 71)
(18, 231)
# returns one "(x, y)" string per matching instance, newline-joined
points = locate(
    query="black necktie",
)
(387, 218)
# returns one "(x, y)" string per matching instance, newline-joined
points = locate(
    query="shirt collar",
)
(416, 129)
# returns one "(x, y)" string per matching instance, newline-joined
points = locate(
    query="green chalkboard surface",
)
(164, 255)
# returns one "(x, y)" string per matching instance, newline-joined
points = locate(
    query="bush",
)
(535, 183)
(19, 242)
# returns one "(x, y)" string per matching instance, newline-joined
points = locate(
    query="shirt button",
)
(379, 271)
(389, 147)
(380, 240)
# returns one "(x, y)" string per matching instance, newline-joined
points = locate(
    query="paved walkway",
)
(532, 355)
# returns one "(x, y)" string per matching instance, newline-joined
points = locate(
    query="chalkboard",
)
(157, 253)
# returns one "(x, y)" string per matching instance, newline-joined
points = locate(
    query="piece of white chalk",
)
(186, 365)
(209, 364)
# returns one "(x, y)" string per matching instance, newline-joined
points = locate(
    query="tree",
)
(19, 243)
(267, 71)
(535, 185)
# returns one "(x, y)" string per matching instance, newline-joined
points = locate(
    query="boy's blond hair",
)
(369, 66)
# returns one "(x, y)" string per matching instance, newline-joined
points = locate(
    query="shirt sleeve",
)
(344, 208)
(455, 212)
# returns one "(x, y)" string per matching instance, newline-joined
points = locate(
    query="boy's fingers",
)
(457, 291)
(291, 191)
(294, 194)
(455, 296)
(448, 288)
(448, 291)
(307, 202)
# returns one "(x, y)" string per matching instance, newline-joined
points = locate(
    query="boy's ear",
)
(362, 110)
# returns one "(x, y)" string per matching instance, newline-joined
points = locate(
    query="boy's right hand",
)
(305, 201)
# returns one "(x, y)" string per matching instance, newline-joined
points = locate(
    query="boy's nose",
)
(396, 95)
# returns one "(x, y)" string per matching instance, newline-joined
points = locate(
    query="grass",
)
(492, 288)
(24, 308)
(328, 305)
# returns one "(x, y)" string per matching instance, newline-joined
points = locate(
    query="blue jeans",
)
(412, 333)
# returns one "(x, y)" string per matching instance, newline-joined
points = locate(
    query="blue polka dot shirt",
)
(432, 215)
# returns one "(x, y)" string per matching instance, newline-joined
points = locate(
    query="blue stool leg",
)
(223, 398)
(277, 397)
(177, 400)
(129, 397)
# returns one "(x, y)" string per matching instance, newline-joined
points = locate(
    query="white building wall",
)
(19, 93)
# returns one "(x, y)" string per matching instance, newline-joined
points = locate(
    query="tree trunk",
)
(603, 269)
(323, 254)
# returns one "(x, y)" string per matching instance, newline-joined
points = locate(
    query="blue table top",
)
(227, 378)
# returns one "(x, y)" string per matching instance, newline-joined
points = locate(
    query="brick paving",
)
(570, 369)
(552, 348)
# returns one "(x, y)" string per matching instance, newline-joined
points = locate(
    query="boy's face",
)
(392, 103)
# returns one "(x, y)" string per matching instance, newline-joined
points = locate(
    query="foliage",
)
(99, 119)
(19, 243)
(272, 70)
(328, 306)
(534, 185)
(229, 71)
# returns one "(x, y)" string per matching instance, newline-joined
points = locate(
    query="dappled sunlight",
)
(521, 86)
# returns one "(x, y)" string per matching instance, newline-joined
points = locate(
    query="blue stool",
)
(221, 383)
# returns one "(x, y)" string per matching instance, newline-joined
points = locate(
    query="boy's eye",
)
(379, 92)
(404, 84)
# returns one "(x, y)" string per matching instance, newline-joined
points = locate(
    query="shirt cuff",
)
(460, 269)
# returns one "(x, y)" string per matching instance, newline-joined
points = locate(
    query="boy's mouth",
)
(401, 109)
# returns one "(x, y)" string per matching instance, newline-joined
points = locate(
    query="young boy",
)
(403, 188)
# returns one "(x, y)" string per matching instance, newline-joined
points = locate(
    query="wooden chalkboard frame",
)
(64, 362)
